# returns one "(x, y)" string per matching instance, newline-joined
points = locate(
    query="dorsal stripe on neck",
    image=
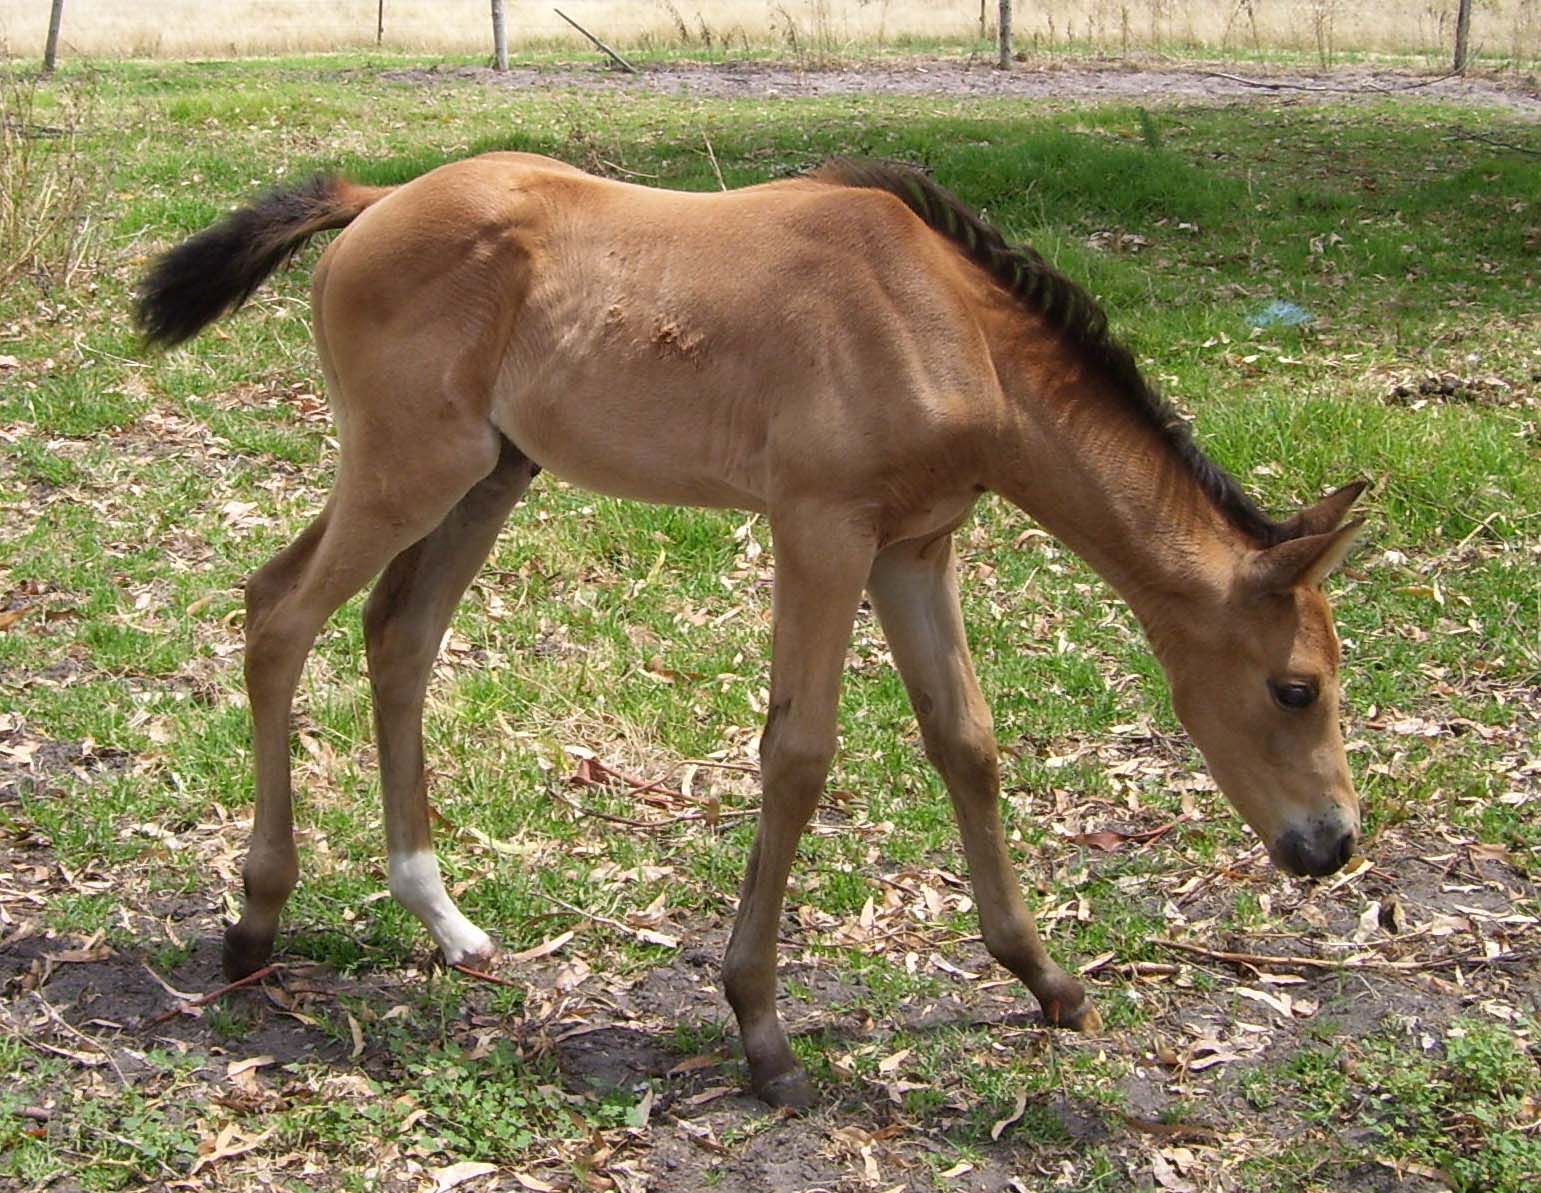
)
(1070, 311)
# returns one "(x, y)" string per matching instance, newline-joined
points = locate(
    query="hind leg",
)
(404, 622)
(363, 526)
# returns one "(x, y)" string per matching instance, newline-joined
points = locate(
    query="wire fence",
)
(1502, 31)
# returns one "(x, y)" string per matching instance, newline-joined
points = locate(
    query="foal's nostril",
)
(1319, 857)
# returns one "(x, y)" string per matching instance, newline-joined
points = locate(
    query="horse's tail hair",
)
(215, 271)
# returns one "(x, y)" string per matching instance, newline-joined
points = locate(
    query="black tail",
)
(216, 271)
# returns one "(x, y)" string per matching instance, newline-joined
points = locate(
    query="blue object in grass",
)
(1279, 313)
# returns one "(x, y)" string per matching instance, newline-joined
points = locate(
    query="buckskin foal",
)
(852, 353)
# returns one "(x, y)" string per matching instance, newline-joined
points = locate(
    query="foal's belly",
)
(626, 440)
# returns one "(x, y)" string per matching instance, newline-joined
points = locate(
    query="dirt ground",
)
(1099, 82)
(1408, 944)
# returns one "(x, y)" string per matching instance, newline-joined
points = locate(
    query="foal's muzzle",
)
(1322, 850)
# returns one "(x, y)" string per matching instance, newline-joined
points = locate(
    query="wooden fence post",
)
(1462, 35)
(380, 25)
(1005, 62)
(51, 50)
(499, 35)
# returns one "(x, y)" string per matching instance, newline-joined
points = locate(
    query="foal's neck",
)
(1080, 459)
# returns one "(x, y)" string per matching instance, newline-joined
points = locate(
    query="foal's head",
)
(1256, 684)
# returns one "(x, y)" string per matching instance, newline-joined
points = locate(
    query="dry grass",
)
(1504, 29)
(45, 178)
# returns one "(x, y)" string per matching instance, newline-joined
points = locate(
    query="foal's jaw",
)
(1254, 671)
(1291, 786)
(1294, 791)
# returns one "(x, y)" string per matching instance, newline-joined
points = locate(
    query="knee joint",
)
(965, 755)
(745, 979)
(797, 760)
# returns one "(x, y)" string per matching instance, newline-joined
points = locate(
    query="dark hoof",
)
(480, 961)
(1083, 1019)
(243, 955)
(790, 1091)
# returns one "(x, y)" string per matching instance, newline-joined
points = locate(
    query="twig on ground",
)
(1262, 83)
(712, 157)
(69, 1027)
(1172, 1132)
(204, 999)
(482, 975)
(592, 915)
(1279, 961)
(655, 825)
(1372, 88)
(635, 786)
(647, 935)
(623, 170)
(1485, 139)
(714, 764)
(1131, 969)
(1255, 960)
(614, 57)
(1474, 960)
(79, 1058)
(594, 773)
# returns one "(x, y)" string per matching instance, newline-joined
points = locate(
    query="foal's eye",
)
(1294, 693)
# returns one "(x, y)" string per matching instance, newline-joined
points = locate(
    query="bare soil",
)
(975, 78)
(97, 1005)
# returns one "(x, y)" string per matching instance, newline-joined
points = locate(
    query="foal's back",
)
(733, 349)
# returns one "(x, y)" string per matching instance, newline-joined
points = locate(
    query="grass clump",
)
(47, 177)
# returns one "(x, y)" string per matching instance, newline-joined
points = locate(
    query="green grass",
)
(1456, 1111)
(640, 633)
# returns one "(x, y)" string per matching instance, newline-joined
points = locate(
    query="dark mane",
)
(1067, 308)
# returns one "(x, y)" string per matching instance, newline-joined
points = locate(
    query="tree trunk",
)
(499, 35)
(1005, 62)
(51, 50)
(1462, 35)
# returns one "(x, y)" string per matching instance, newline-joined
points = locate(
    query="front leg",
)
(820, 567)
(915, 593)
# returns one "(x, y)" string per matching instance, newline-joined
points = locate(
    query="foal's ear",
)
(1326, 513)
(1300, 563)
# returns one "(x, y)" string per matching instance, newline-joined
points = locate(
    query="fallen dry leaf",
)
(236, 1067)
(708, 1060)
(1110, 841)
(458, 1174)
(1167, 1176)
(231, 1141)
(543, 950)
(1016, 1112)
